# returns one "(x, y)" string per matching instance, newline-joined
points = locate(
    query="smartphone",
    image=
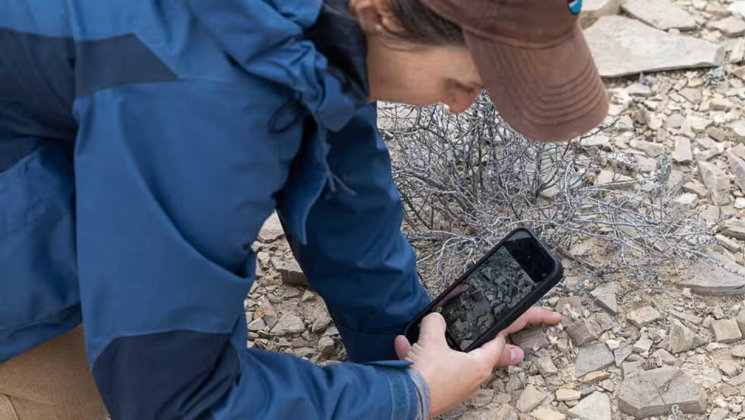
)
(494, 292)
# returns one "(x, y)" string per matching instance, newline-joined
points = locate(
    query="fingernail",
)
(514, 356)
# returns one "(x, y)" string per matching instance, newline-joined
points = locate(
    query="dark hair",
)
(421, 26)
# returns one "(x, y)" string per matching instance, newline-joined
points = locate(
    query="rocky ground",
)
(673, 349)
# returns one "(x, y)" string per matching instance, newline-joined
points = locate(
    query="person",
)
(143, 144)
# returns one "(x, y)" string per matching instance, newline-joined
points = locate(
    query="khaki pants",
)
(50, 382)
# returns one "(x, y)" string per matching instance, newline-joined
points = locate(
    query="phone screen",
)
(495, 286)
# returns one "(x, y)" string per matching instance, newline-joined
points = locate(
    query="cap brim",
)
(547, 94)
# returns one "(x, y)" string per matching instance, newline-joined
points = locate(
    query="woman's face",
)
(422, 75)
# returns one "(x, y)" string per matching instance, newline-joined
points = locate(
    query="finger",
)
(491, 352)
(432, 329)
(511, 355)
(403, 347)
(533, 316)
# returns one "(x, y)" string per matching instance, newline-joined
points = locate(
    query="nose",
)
(461, 102)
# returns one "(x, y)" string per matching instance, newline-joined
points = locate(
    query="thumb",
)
(402, 347)
(432, 329)
(491, 352)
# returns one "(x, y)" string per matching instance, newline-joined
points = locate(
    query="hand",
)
(454, 376)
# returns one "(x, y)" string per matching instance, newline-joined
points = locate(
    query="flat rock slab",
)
(654, 392)
(592, 358)
(592, 10)
(660, 13)
(595, 406)
(643, 316)
(583, 331)
(683, 339)
(605, 296)
(530, 340)
(726, 330)
(622, 46)
(288, 324)
(709, 279)
(530, 398)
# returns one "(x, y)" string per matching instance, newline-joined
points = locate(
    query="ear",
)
(374, 16)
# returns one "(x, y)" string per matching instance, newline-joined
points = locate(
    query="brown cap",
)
(535, 63)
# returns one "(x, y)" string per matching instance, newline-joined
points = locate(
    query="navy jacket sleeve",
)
(173, 182)
(356, 256)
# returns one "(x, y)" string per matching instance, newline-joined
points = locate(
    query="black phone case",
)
(531, 299)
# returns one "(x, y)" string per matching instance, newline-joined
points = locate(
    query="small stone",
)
(718, 413)
(289, 323)
(596, 376)
(622, 354)
(738, 129)
(605, 296)
(741, 321)
(326, 346)
(682, 152)
(663, 357)
(639, 90)
(530, 339)
(643, 316)
(595, 406)
(483, 399)
(686, 201)
(542, 360)
(597, 140)
(529, 399)
(583, 332)
(717, 134)
(308, 296)
(290, 272)
(739, 203)
(716, 181)
(726, 330)
(271, 230)
(683, 339)
(695, 188)
(256, 325)
(729, 368)
(631, 368)
(592, 358)
(674, 121)
(728, 390)
(698, 124)
(693, 96)
(660, 13)
(737, 380)
(613, 344)
(543, 413)
(720, 104)
(693, 319)
(603, 320)
(733, 229)
(730, 26)
(728, 243)
(653, 392)
(739, 351)
(563, 394)
(625, 123)
(643, 345)
(737, 166)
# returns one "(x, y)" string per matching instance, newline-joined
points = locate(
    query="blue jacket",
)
(142, 145)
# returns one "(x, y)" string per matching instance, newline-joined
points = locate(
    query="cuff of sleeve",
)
(364, 347)
(404, 394)
(422, 390)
